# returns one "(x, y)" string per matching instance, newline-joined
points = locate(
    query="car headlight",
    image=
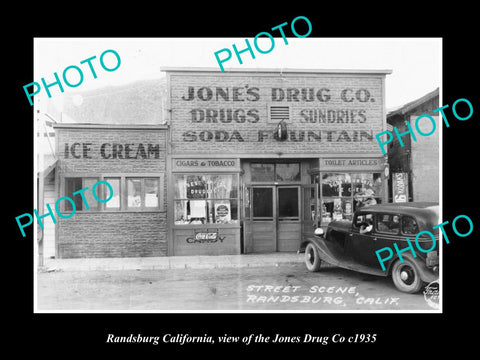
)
(319, 232)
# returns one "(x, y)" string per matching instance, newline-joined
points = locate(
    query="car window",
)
(361, 219)
(388, 223)
(363, 223)
(409, 225)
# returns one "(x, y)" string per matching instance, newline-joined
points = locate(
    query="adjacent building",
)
(414, 167)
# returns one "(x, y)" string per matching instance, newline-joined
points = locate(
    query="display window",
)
(126, 194)
(114, 202)
(342, 193)
(143, 193)
(367, 189)
(74, 184)
(206, 199)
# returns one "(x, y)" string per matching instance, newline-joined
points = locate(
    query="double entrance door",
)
(277, 216)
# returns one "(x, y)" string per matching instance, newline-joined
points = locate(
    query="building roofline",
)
(277, 70)
(110, 126)
(413, 104)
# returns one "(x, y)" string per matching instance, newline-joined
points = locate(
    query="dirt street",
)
(271, 288)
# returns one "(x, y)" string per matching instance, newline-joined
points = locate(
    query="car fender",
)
(323, 250)
(310, 239)
(426, 274)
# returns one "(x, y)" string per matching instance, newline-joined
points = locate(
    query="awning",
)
(45, 168)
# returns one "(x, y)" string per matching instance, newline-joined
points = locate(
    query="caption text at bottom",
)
(184, 339)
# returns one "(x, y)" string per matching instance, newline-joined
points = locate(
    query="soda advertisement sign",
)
(400, 187)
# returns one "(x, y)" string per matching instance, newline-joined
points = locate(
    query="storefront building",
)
(245, 162)
(257, 159)
(132, 159)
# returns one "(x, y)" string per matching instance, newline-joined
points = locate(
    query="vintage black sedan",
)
(352, 244)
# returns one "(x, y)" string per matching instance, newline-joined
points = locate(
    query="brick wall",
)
(251, 95)
(113, 235)
(123, 233)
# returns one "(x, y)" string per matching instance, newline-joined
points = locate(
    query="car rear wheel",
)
(312, 259)
(405, 276)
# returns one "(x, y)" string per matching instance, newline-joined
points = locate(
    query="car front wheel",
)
(312, 259)
(405, 276)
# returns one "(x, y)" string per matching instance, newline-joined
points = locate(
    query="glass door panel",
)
(262, 203)
(288, 204)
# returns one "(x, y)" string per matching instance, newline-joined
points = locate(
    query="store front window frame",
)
(101, 188)
(209, 199)
(316, 178)
(275, 174)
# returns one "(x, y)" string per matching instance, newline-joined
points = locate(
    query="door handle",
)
(374, 239)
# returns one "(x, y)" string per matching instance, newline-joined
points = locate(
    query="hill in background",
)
(141, 102)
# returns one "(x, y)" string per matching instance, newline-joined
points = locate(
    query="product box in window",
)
(223, 212)
(326, 219)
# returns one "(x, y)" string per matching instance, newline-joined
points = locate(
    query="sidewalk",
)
(174, 262)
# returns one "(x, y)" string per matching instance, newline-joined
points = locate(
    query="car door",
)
(387, 232)
(361, 246)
